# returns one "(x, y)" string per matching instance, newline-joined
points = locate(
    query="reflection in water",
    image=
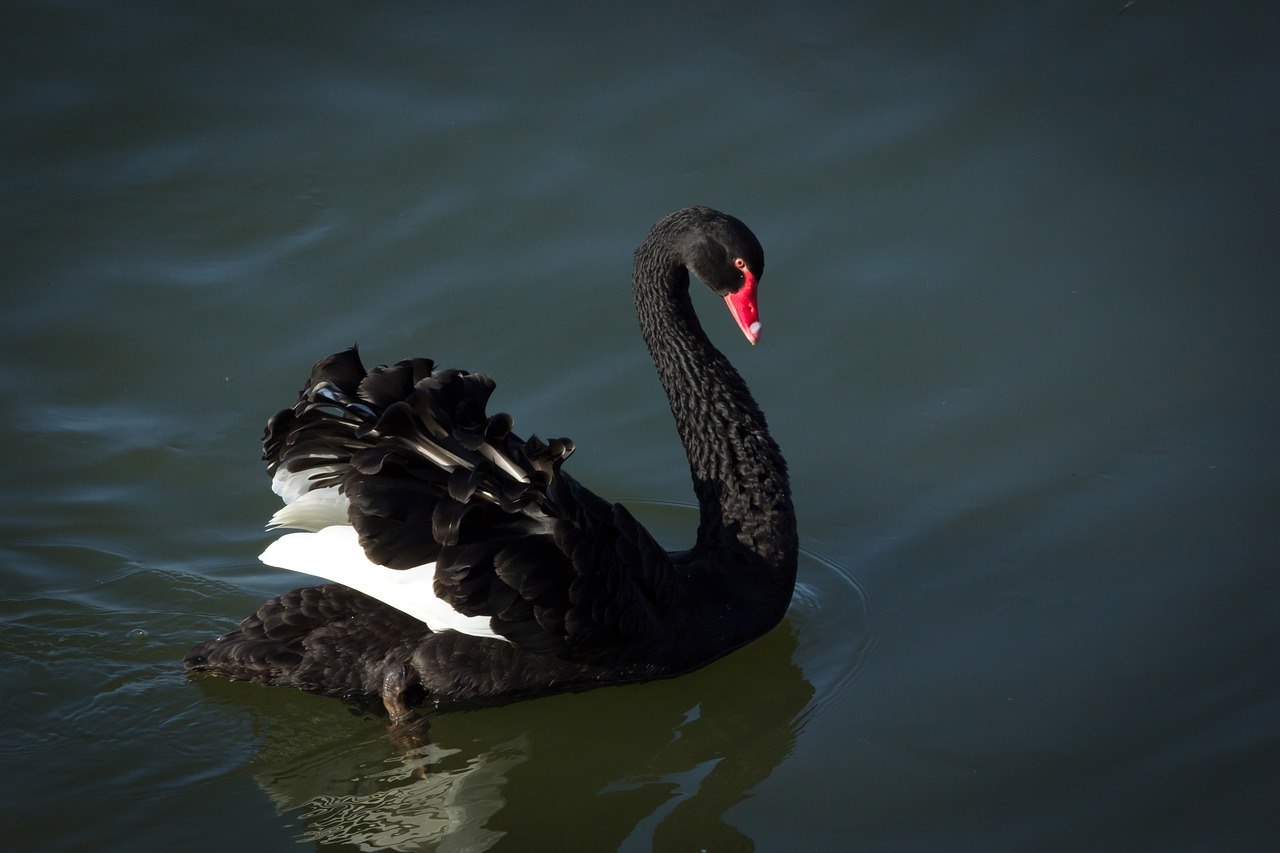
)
(665, 759)
(400, 802)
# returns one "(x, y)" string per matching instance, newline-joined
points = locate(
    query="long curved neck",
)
(739, 475)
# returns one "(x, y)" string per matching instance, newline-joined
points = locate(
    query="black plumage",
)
(578, 592)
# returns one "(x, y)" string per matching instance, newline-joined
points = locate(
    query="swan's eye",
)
(740, 263)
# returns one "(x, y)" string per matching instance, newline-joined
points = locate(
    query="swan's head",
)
(727, 257)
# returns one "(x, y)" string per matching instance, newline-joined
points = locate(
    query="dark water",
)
(1020, 350)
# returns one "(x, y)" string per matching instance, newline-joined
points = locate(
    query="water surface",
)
(1020, 351)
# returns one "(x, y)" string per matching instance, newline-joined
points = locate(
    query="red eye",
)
(740, 263)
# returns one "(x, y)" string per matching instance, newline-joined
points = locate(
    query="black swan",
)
(470, 569)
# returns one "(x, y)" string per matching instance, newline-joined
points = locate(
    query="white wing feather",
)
(314, 511)
(291, 485)
(334, 553)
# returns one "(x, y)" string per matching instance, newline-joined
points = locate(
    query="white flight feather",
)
(334, 553)
(313, 510)
(291, 485)
(305, 506)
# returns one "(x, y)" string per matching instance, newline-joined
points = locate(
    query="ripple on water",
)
(829, 614)
(96, 661)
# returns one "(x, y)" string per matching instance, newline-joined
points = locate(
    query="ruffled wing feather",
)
(428, 477)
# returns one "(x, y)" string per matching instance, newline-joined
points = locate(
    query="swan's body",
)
(469, 568)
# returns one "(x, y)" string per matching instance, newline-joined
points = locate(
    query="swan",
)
(466, 567)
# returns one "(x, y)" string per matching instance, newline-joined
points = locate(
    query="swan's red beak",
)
(743, 307)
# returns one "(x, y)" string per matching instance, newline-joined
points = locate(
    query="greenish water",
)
(1020, 351)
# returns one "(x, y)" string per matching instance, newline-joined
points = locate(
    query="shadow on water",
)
(656, 764)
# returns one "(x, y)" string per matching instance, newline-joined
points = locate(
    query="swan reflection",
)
(663, 760)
